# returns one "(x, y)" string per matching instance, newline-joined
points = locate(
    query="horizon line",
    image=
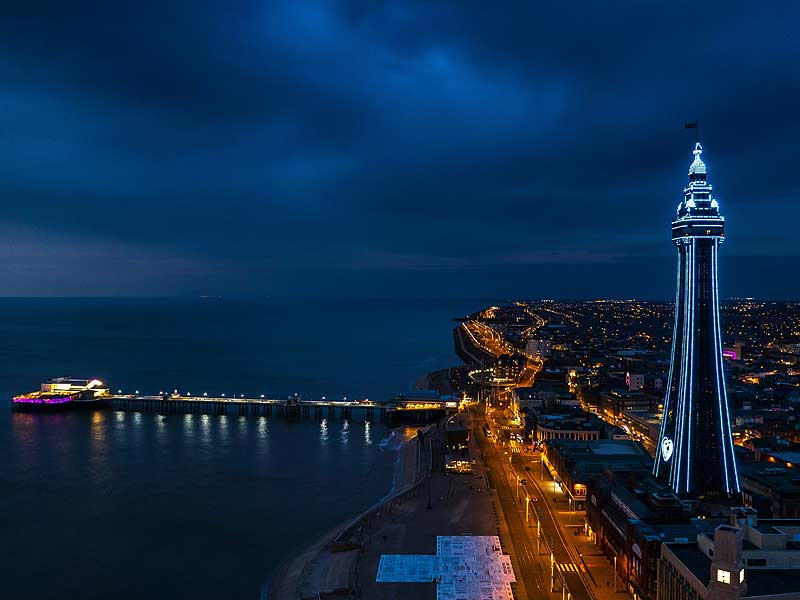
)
(383, 298)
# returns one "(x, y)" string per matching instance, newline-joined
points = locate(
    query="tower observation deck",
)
(695, 449)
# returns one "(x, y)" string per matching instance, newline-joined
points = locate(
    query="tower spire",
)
(698, 166)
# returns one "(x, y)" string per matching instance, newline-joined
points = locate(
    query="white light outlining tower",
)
(695, 450)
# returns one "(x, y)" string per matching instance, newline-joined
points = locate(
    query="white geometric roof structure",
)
(464, 567)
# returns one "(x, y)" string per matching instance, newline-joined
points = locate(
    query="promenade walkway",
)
(460, 505)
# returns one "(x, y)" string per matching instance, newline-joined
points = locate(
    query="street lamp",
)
(430, 468)
(527, 507)
(429, 490)
(538, 529)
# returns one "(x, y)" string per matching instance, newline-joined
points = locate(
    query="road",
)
(490, 338)
(492, 343)
(530, 567)
(506, 463)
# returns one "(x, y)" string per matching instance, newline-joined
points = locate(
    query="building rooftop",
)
(578, 449)
(609, 447)
(645, 417)
(760, 582)
(788, 456)
(769, 582)
(773, 476)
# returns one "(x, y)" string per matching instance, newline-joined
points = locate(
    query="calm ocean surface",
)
(104, 504)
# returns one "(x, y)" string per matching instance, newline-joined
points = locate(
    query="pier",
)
(63, 393)
(399, 408)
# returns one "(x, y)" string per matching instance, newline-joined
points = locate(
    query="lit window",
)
(723, 576)
(741, 576)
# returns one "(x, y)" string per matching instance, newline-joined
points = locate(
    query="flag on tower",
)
(692, 125)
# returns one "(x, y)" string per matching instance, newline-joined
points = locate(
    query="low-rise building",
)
(634, 381)
(566, 423)
(538, 348)
(572, 463)
(548, 386)
(643, 426)
(614, 402)
(772, 490)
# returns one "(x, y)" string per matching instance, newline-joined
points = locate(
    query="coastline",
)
(330, 560)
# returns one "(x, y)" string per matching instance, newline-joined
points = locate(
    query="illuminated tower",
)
(695, 450)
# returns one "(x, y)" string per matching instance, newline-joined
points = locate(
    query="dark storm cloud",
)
(365, 147)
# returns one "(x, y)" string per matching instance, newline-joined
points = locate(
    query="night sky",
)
(419, 149)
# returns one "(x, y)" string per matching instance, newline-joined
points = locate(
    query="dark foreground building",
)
(695, 449)
(746, 558)
(629, 516)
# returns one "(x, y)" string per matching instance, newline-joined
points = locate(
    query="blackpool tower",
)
(695, 450)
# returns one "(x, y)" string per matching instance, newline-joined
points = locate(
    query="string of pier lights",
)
(189, 394)
(205, 395)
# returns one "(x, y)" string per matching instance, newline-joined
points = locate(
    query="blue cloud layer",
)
(300, 148)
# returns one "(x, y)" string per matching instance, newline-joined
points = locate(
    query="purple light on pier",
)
(35, 400)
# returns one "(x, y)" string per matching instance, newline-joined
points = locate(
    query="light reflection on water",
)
(153, 489)
(223, 429)
(98, 426)
(134, 430)
(262, 435)
(205, 429)
(323, 432)
(162, 430)
(97, 436)
(187, 426)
